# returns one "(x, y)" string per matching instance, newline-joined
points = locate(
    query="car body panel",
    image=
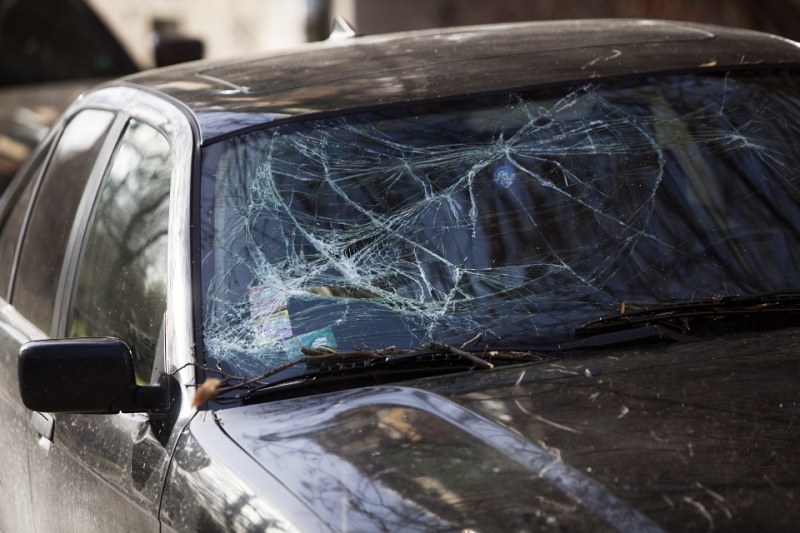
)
(551, 444)
(372, 71)
(211, 486)
(17, 438)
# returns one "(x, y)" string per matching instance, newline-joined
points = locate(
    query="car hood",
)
(678, 436)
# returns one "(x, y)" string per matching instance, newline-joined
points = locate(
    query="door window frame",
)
(176, 125)
(69, 268)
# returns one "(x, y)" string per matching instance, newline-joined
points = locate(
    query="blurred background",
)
(235, 27)
(53, 50)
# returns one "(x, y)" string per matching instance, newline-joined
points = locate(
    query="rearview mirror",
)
(87, 375)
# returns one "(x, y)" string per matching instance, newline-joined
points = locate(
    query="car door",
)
(81, 144)
(118, 289)
(104, 274)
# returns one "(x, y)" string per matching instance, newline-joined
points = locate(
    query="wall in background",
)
(236, 27)
(227, 28)
(379, 16)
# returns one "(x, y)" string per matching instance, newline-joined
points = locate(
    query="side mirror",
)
(88, 375)
(174, 49)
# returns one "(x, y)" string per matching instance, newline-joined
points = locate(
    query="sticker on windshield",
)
(321, 338)
(270, 314)
(504, 176)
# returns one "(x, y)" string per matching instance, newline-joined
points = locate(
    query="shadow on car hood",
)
(683, 436)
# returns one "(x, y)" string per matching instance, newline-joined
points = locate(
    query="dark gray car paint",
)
(683, 436)
(372, 71)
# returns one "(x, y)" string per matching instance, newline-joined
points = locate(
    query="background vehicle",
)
(498, 278)
(50, 52)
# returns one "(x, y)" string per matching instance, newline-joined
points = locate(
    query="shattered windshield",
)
(516, 216)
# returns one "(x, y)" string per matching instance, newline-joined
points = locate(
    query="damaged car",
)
(540, 276)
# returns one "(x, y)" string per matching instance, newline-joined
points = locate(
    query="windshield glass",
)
(516, 216)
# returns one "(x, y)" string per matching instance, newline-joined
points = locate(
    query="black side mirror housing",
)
(86, 375)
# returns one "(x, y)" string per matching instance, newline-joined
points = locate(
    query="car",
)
(537, 276)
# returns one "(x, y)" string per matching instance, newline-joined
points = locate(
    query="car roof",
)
(338, 76)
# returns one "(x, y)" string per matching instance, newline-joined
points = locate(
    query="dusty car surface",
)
(508, 278)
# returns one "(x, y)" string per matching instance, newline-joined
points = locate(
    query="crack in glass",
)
(514, 216)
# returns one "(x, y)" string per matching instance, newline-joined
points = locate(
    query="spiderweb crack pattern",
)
(514, 217)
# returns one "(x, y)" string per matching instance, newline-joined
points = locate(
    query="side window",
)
(122, 276)
(14, 204)
(54, 209)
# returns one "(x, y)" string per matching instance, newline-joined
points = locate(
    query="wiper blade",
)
(333, 370)
(684, 316)
(315, 382)
(328, 370)
(643, 334)
(372, 357)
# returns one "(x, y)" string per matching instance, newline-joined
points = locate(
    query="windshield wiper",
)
(324, 370)
(777, 308)
(327, 370)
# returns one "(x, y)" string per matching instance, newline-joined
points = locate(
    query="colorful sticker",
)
(269, 310)
(272, 328)
(270, 315)
(315, 339)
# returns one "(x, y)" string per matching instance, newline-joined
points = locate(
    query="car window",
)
(122, 279)
(53, 212)
(515, 216)
(13, 206)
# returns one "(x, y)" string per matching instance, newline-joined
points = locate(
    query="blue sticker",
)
(314, 339)
(504, 176)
